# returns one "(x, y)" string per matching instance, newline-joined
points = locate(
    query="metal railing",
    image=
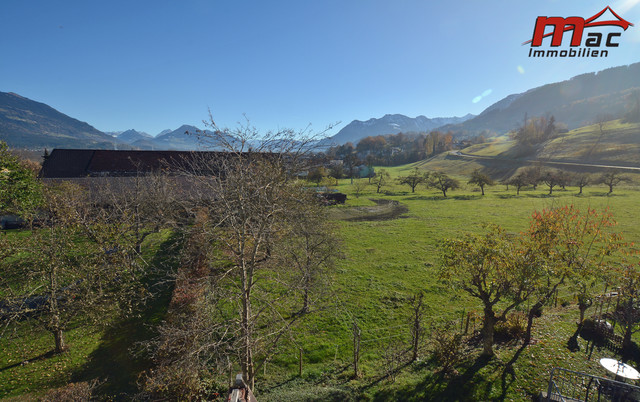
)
(567, 385)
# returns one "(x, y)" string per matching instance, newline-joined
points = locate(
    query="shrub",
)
(448, 348)
(513, 327)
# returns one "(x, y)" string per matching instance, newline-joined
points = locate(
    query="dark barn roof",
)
(73, 163)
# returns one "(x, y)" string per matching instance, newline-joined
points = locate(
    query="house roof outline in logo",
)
(591, 22)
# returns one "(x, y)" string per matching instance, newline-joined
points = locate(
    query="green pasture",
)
(388, 260)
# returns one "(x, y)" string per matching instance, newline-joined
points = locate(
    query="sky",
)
(156, 65)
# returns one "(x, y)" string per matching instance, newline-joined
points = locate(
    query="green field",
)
(390, 251)
(387, 261)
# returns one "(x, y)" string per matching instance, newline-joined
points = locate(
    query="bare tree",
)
(532, 175)
(143, 203)
(268, 231)
(581, 180)
(381, 179)
(612, 178)
(551, 178)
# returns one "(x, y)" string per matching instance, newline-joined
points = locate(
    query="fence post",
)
(356, 347)
(300, 364)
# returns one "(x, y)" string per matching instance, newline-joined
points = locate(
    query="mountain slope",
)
(576, 102)
(25, 123)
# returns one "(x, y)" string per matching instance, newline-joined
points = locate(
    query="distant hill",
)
(614, 143)
(25, 123)
(390, 124)
(576, 102)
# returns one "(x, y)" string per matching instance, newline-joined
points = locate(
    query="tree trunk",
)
(530, 316)
(487, 331)
(58, 335)
(61, 346)
(246, 333)
(482, 188)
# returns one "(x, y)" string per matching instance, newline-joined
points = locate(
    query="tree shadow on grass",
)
(113, 362)
(466, 197)
(607, 194)
(506, 196)
(43, 356)
(426, 198)
(467, 386)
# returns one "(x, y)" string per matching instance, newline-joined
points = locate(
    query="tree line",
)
(529, 177)
(396, 149)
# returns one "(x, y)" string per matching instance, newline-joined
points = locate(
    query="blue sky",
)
(153, 65)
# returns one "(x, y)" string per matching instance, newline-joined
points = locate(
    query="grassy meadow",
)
(390, 257)
(390, 251)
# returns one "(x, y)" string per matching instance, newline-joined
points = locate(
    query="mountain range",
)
(576, 102)
(28, 124)
(391, 124)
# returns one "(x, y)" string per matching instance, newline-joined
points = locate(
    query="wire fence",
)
(467, 320)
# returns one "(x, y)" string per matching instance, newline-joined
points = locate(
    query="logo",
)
(593, 45)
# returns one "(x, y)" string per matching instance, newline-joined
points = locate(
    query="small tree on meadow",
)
(413, 179)
(532, 175)
(551, 178)
(381, 179)
(518, 181)
(480, 179)
(581, 180)
(442, 182)
(358, 187)
(612, 178)
(482, 266)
